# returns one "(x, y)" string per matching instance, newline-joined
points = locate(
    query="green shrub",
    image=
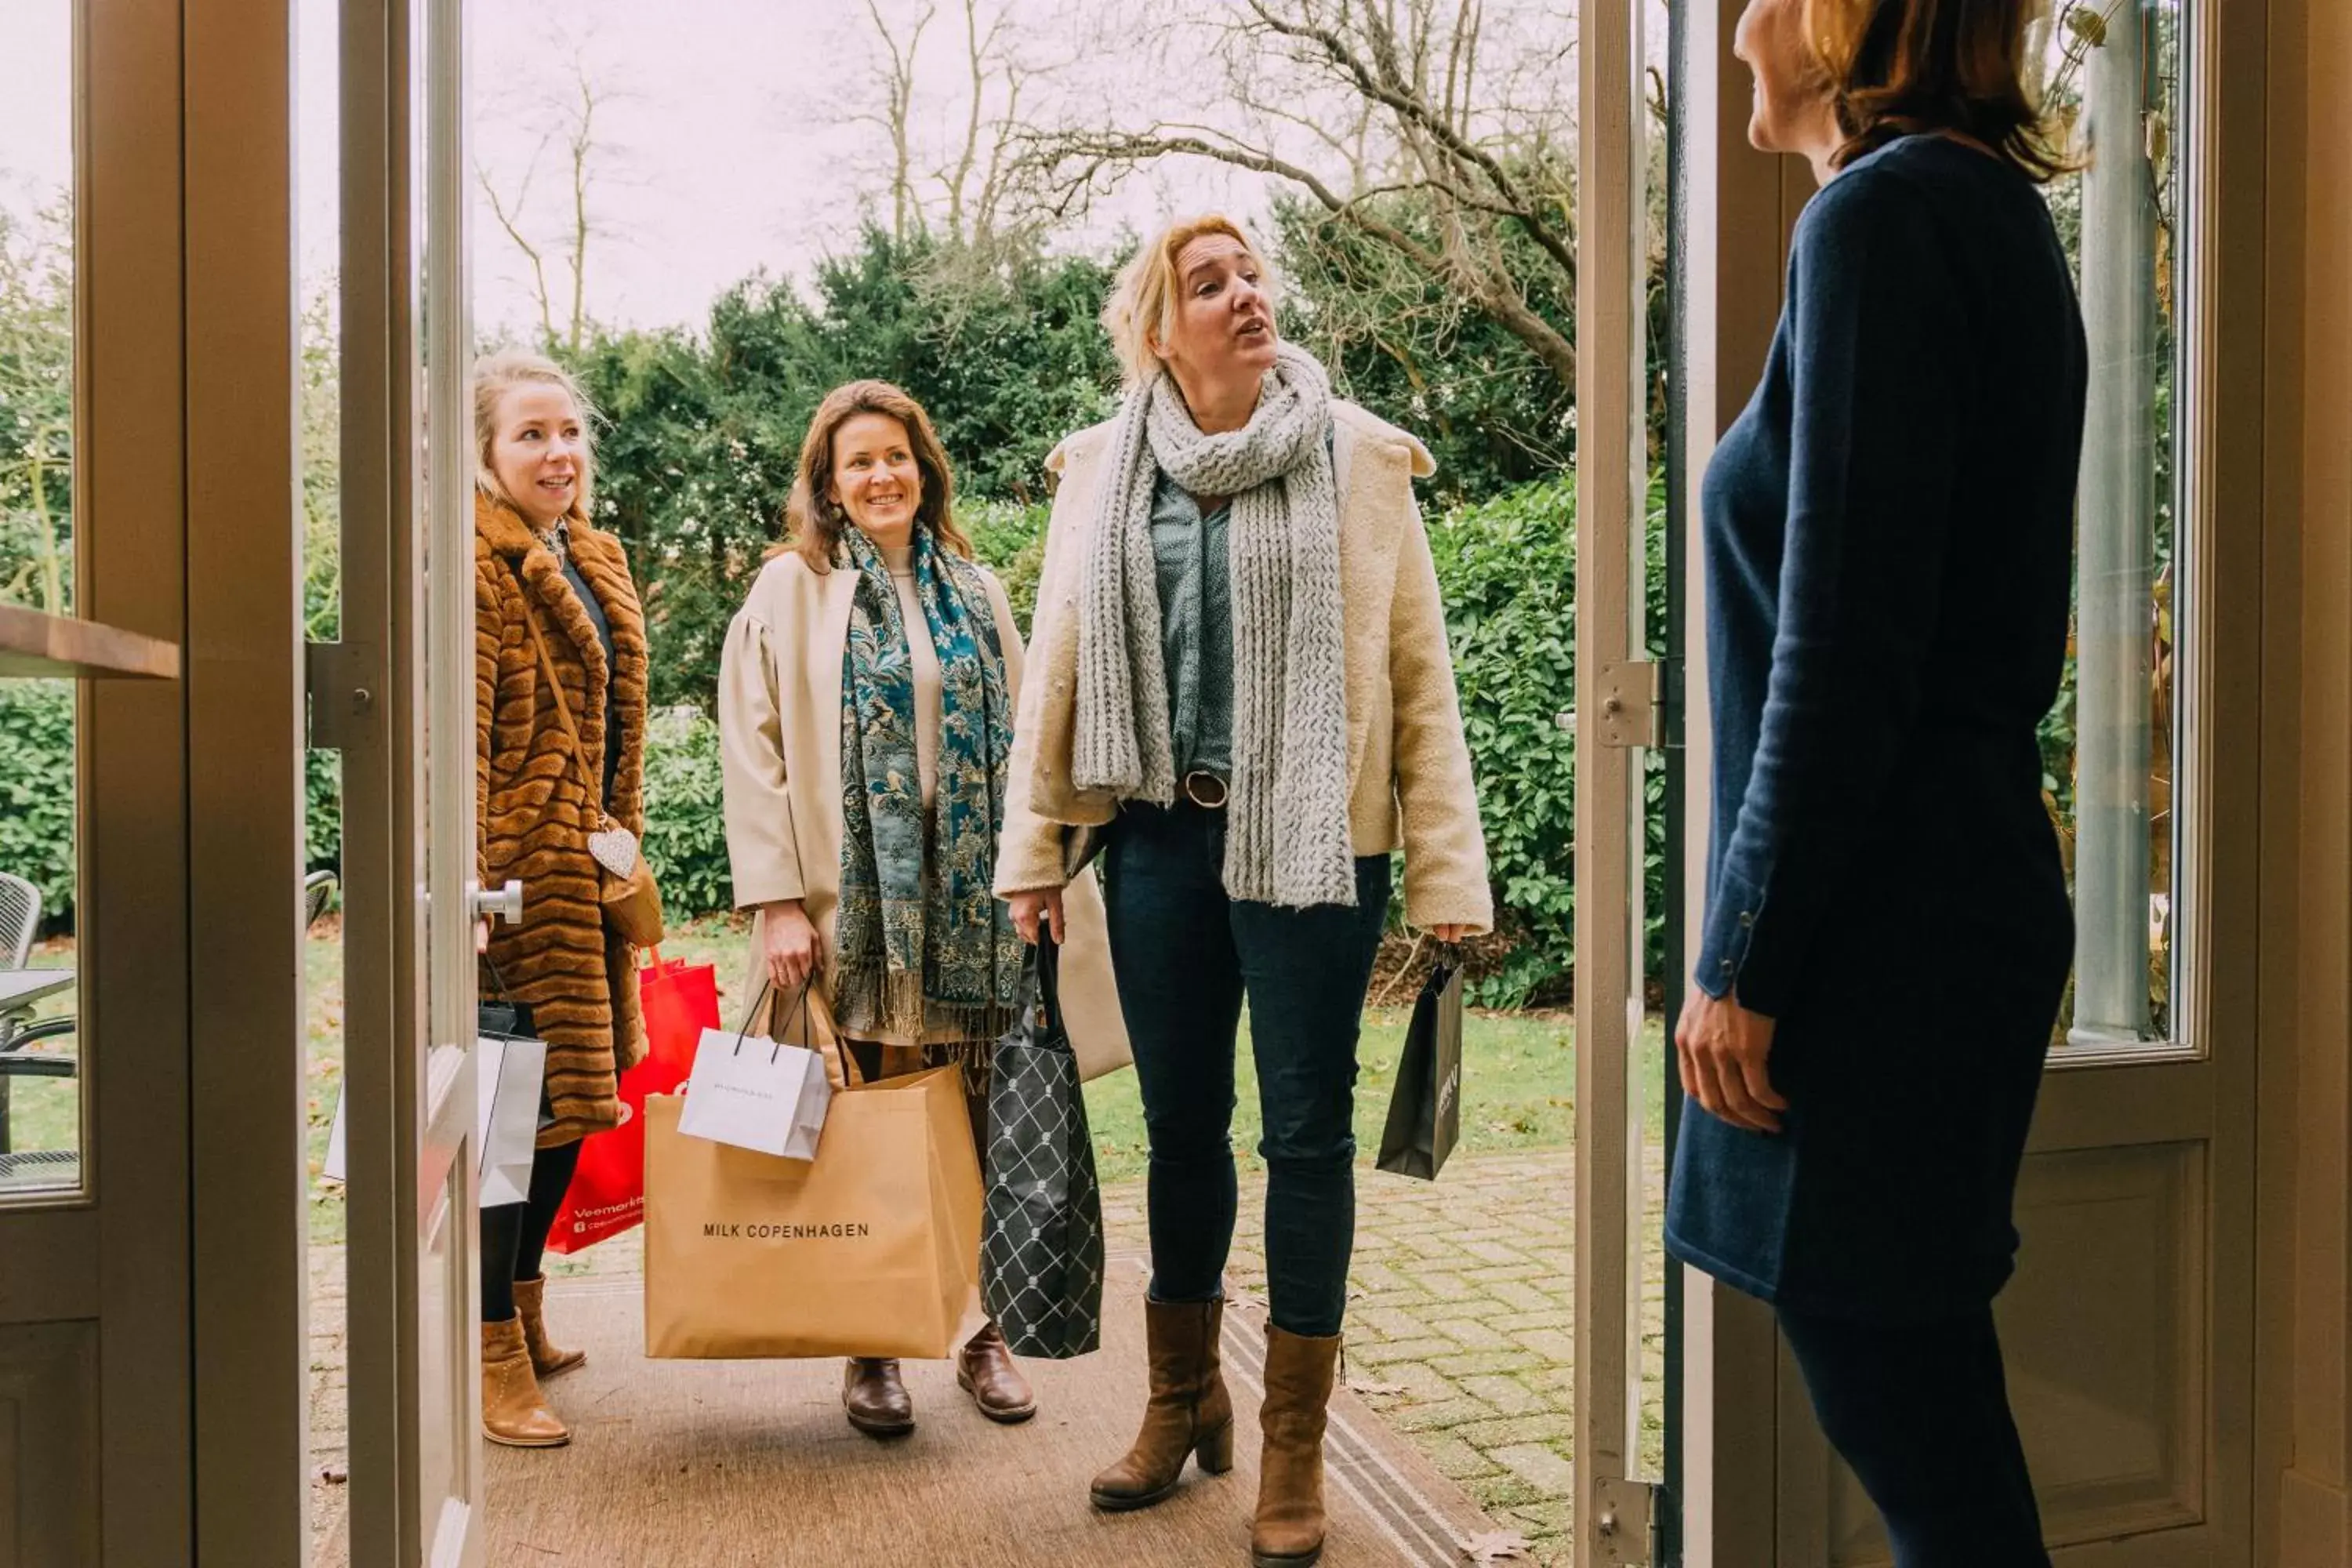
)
(37, 789)
(686, 824)
(1506, 570)
(1010, 540)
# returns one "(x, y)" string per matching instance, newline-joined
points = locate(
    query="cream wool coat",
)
(1409, 766)
(780, 753)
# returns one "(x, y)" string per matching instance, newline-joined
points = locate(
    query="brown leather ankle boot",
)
(514, 1412)
(1298, 1372)
(546, 1359)
(875, 1399)
(1190, 1413)
(986, 1370)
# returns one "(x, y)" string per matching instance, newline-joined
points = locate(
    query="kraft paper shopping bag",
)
(870, 1250)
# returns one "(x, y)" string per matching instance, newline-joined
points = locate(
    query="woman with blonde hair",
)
(1889, 533)
(1247, 694)
(560, 735)
(865, 703)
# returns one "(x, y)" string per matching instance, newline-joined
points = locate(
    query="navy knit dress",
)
(1889, 529)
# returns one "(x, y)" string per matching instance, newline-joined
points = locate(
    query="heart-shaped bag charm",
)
(614, 848)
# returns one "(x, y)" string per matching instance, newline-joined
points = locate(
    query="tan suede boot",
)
(1190, 1413)
(514, 1412)
(1298, 1374)
(546, 1359)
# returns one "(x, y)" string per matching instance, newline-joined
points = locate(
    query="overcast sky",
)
(730, 138)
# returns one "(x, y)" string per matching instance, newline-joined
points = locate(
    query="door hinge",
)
(1625, 1524)
(1633, 698)
(344, 680)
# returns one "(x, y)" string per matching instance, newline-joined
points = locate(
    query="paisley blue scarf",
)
(923, 942)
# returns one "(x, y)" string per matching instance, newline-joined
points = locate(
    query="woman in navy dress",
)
(1888, 544)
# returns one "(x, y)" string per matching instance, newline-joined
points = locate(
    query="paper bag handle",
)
(804, 1007)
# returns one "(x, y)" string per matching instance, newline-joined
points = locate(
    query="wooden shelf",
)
(33, 644)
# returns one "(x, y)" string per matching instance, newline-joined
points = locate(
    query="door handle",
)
(505, 903)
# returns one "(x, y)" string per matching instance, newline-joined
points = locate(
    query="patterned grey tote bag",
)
(1041, 1249)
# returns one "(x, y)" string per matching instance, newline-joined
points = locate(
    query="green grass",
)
(1518, 1075)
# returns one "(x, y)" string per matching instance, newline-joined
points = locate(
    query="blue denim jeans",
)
(1185, 957)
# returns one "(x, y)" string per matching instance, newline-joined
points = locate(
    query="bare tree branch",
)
(1419, 124)
(508, 220)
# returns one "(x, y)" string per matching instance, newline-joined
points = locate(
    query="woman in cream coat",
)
(1247, 689)
(876, 666)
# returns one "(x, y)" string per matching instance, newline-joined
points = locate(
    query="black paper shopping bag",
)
(1426, 1112)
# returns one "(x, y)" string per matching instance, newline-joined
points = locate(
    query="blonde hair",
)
(815, 521)
(494, 376)
(1143, 306)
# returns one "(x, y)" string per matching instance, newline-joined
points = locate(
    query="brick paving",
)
(1459, 1328)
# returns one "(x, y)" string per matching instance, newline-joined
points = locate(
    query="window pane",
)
(2116, 71)
(40, 1087)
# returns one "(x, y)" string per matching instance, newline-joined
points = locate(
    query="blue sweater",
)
(1888, 546)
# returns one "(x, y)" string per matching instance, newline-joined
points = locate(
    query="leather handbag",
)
(626, 883)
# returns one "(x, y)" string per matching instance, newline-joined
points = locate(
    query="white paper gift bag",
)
(757, 1093)
(510, 1073)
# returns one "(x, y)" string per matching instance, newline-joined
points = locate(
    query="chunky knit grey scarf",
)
(1286, 833)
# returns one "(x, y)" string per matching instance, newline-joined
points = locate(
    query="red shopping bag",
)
(608, 1192)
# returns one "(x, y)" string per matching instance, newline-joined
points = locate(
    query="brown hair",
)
(1901, 68)
(1142, 305)
(494, 376)
(814, 520)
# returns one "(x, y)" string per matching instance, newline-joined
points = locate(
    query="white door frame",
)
(1617, 712)
(400, 690)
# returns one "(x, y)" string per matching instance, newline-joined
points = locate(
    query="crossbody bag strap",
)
(564, 712)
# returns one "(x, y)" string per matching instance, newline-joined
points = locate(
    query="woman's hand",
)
(1449, 935)
(791, 945)
(1723, 1049)
(1027, 907)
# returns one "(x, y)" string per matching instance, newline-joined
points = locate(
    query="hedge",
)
(1506, 568)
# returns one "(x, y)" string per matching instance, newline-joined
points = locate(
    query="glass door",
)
(400, 693)
(1618, 718)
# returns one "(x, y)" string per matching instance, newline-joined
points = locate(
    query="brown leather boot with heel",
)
(514, 1412)
(1189, 1413)
(546, 1359)
(1288, 1532)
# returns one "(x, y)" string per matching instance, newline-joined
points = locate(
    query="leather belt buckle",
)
(1205, 790)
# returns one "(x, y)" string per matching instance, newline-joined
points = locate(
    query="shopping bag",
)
(1090, 1010)
(510, 1076)
(870, 1250)
(1041, 1248)
(493, 1021)
(607, 1194)
(755, 1093)
(1425, 1111)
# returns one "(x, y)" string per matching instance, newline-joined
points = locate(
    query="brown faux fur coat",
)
(531, 803)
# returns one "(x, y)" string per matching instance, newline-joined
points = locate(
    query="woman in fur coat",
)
(545, 579)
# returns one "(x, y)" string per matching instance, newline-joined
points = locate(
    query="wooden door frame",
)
(2303, 1326)
(248, 1075)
